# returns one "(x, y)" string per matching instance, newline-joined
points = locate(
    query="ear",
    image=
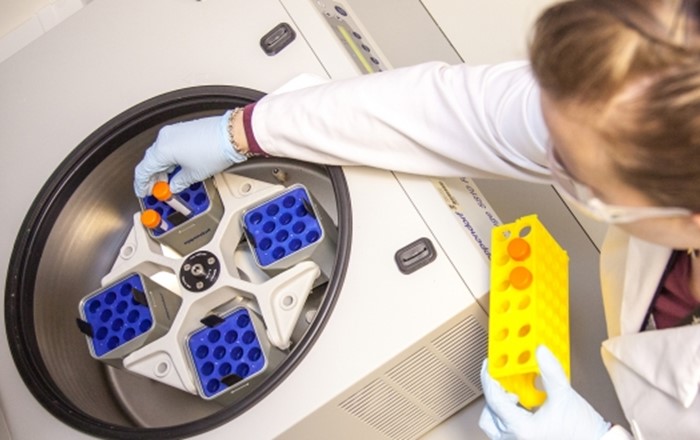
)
(696, 219)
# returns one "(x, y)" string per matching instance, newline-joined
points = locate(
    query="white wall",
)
(21, 21)
(16, 12)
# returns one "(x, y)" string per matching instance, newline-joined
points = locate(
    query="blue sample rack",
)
(117, 315)
(227, 353)
(282, 227)
(195, 197)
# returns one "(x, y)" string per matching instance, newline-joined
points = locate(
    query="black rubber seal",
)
(36, 228)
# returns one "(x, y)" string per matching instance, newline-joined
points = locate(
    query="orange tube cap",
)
(161, 191)
(519, 249)
(520, 278)
(150, 218)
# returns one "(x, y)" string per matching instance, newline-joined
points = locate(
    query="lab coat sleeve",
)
(430, 119)
(617, 433)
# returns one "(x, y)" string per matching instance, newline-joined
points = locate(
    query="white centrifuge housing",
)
(380, 333)
(91, 95)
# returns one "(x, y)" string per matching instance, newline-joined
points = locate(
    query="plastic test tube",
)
(152, 220)
(161, 191)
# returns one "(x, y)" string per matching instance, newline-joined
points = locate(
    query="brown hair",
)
(635, 65)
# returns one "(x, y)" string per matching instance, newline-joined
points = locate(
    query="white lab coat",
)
(656, 374)
(486, 121)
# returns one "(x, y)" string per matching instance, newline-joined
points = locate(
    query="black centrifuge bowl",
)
(69, 241)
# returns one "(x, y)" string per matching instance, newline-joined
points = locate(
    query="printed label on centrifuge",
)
(470, 209)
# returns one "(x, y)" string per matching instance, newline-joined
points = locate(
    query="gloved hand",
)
(564, 415)
(201, 148)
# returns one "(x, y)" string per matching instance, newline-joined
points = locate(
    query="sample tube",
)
(152, 220)
(161, 191)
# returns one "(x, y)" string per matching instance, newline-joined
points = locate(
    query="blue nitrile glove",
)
(564, 415)
(201, 148)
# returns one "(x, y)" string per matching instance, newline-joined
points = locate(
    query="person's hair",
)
(635, 66)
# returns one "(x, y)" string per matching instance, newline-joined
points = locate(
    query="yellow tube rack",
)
(529, 306)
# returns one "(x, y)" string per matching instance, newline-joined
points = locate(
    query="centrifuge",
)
(371, 325)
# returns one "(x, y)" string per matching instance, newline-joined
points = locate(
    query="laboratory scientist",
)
(607, 109)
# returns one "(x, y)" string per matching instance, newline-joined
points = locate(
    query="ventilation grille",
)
(382, 407)
(426, 388)
(465, 347)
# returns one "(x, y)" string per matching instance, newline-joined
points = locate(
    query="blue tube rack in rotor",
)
(227, 353)
(284, 230)
(195, 197)
(121, 317)
(185, 234)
